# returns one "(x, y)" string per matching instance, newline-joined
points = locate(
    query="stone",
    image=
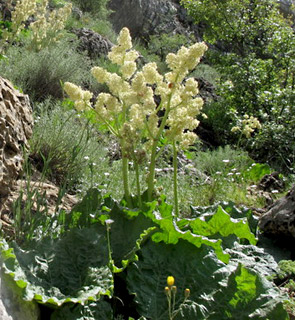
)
(16, 122)
(5, 9)
(144, 18)
(287, 8)
(279, 219)
(271, 182)
(92, 42)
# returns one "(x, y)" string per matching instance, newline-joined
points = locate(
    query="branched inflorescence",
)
(130, 111)
(46, 26)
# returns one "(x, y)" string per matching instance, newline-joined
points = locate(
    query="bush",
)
(97, 7)
(39, 74)
(62, 146)
(254, 57)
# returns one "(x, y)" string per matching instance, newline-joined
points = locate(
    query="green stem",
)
(151, 176)
(169, 307)
(175, 187)
(126, 179)
(138, 185)
(111, 262)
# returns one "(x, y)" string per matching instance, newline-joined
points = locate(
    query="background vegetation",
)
(250, 63)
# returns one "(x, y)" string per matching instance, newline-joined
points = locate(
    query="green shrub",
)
(257, 73)
(64, 148)
(90, 21)
(207, 72)
(39, 74)
(222, 160)
(165, 43)
(97, 7)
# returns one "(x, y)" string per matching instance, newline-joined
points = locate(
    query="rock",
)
(12, 306)
(287, 8)
(207, 90)
(271, 182)
(144, 18)
(16, 123)
(93, 43)
(279, 220)
(5, 9)
(77, 13)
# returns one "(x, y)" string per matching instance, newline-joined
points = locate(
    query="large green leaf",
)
(125, 231)
(170, 233)
(74, 268)
(229, 207)
(85, 212)
(218, 291)
(253, 258)
(222, 224)
(94, 310)
(192, 268)
(256, 172)
(246, 295)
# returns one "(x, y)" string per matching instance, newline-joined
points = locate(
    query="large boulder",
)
(279, 220)
(287, 8)
(92, 42)
(144, 18)
(16, 123)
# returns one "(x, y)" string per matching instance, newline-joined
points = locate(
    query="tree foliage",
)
(255, 57)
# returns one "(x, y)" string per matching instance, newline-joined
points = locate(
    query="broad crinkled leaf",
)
(170, 233)
(127, 228)
(253, 258)
(221, 223)
(191, 267)
(230, 207)
(94, 310)
(218, 291)
(73, 268)
(247, 295)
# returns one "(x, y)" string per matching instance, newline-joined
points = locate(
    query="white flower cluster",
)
(47, 25)
(130, 105)
(248, 125)
(22, 11)
(46, 29)
(81, 97)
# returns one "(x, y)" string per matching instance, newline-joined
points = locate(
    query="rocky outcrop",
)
(93, 43)
(5, 9)
(144, 18)
(16, 123)
(287, 8)
(279, 220)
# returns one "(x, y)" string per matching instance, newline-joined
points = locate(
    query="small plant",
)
(171, 291)
(96, 7)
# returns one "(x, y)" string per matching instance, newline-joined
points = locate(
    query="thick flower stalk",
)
(131, 113)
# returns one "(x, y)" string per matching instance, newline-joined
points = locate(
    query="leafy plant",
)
(40, 74)
(148, 246)
(63, 148)
(55, 271)
(257, 74)
(131, 113)
(97, 7)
